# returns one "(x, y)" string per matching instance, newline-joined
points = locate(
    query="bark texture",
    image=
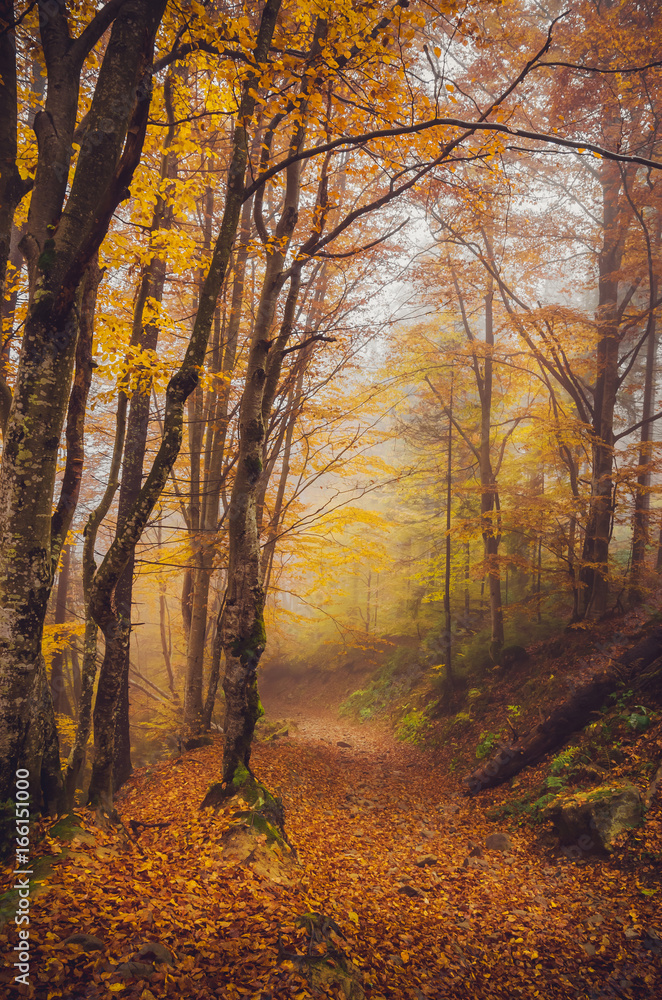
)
(61, 240)
(182, 384)
(12, 187)
(243, 634)
(89, 668)
(145, 336)
(594, 574)
(58, 692)
(641, 526)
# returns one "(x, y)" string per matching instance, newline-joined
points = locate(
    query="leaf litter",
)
(388, 892)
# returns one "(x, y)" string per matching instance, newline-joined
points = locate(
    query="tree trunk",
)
(181, 385)
(202, 519)
(594, 574)
(197, 717)
(269, 549)
(448, 649)
(75, 425)
(243, 634)
(75, 676)
(214, 676)
(166, 634)
(60, 702)
(61, 240)
(567, 718)
(89, 669)
(12, 188)
(489, 499)
(116, 631)
(73, 471)
(144, 336)
(640, 527)
(242, 630)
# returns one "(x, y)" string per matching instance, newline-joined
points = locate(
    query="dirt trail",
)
(387, 849)
(527, 922)
(369, 739)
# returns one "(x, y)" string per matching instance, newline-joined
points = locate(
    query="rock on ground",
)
(593, 819)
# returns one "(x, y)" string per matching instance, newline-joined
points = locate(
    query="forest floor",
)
(383, 839)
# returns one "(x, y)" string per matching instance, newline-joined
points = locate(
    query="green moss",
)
(241, 777)
(42, 295)
(253, 466)
(42, 877)
(529, 809)
(486, 744)
(249, 649)
(47, 257)
(266, 811)
(413, 727)
(255, 819)
(67, 828)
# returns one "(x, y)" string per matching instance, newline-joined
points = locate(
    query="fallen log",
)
(572, 714)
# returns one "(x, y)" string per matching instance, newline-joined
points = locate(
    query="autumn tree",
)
(302, 88)
(65, 226)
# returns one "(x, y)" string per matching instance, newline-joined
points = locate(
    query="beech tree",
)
(305, 87)
(65, 227)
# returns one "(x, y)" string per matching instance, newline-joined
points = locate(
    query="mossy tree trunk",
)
(197, 717)
(61, 239)
(243, 634)
(107, 616)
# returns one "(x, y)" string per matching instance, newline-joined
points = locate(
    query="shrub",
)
(525, 810)
(637, 720)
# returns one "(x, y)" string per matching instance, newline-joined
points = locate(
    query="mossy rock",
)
(593, 819)
(333, 971)
(273, 860)
(42, 873)
(263, 820)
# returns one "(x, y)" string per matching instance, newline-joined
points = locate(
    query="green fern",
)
(565, 760)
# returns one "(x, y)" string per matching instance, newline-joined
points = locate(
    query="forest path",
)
(371, 738)
(528, 922)
(383, 848)
(385, 839)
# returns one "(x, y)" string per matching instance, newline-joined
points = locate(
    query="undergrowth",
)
(527, 809)
(393, 682)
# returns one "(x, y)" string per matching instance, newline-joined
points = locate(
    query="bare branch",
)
(102, 20)
(310, 340)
